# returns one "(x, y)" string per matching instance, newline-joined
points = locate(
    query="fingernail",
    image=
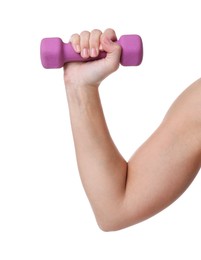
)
(85, 53)
(77, 48)
(93, 52)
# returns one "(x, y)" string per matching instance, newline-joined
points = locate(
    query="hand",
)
(88, 44)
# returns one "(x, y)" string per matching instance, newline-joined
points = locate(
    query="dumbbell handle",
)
(54, 53)
(70, 55)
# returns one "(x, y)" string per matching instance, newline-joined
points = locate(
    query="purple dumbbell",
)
(54, 53)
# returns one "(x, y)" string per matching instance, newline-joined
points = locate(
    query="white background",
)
(44, 213)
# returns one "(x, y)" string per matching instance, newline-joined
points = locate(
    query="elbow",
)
(115, 219)
(106, 227)
(111, 225)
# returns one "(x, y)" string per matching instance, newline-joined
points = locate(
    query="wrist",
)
(81, 94)
(75, 86)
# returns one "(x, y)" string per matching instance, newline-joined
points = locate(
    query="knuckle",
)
(96, 32)
(95, 38)
(110, 31)
(84, 34)
(84, 39)
(74, 37)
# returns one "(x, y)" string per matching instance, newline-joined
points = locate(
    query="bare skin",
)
(125, 193)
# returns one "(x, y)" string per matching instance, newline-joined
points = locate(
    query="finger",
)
(75, 41)
(84, 44)
(110, 34)
(113, 49)
(94, 42)
(108, 43)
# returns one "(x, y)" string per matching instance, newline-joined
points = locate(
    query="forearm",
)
(102, 169)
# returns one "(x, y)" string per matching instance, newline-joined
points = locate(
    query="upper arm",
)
(164, 166)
